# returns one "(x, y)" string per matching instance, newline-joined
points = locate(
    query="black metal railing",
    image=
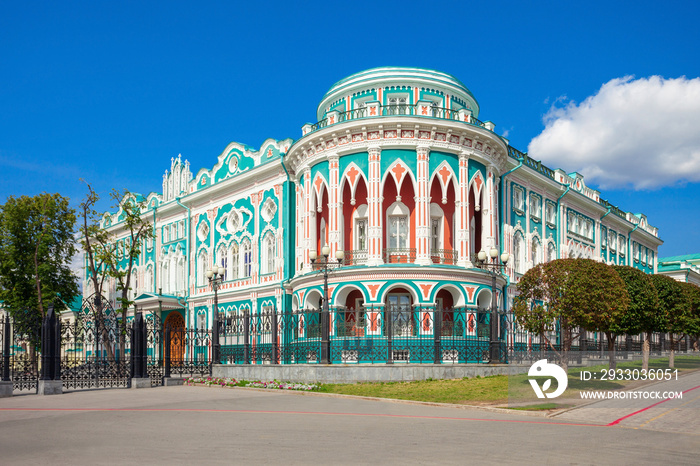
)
(444, 256)
(383, 334)
(355, 257)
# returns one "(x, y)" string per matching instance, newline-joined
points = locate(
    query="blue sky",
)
(110, 91)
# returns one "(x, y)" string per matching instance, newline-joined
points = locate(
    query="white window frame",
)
(398, 211)
(360, 216)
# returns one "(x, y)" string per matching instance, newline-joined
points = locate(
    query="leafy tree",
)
(597, 299)
(97, 248)
(36, 248)
(102, 251)
(642, 315)
(692, 295)
(568, 294)
(137, 232)
(675, 309)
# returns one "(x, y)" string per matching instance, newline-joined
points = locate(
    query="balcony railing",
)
(398, 110)
(400, 256)
(444, 256)
(355, 257)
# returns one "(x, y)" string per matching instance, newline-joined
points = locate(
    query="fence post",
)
(325, 335)
(139, 375)
(246, 337)
(50, 380)
(7, 337)
(275, 348)
(166, 351)
(57, 351)
(6, 385)
(437, 334)
(389, 335)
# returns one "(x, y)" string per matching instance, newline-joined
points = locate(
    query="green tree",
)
(136, 231)
(569, 294)
(692, 295)
(598, 299)
(37, 244)
(675, 309)
(106, 257)
(97, 249)
(642, 315)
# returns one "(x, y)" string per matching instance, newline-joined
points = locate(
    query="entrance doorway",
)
(176, 323)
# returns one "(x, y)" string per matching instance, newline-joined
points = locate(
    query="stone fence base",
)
(345, 373)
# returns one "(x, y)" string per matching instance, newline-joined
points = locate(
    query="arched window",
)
(551, 252)
(148, 285)
(397, 223)
(133, 293)
(247, 253)
(536, 252)
(164, 274)
(360, 226)
(519, 253)
(222, 260)
(182, 278)
(234, 265)
(436, 235)
(268, 260)
(202, 268)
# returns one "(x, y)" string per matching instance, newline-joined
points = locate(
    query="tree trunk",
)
(646, 346)
(612, 363)
(672, 355)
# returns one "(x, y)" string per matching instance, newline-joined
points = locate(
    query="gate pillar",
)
(50, 381)
(139, 364)
(6, 383)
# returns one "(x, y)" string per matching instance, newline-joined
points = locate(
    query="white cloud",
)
(643, 133)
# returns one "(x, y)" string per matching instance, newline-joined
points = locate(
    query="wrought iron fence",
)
(364, 335)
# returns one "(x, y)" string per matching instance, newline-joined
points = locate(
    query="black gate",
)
(95, 348)
(20, 358)
(176, 351)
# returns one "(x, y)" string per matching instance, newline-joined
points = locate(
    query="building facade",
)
(401, 175)
(684, 268)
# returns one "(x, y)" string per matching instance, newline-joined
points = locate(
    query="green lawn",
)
(498, 389)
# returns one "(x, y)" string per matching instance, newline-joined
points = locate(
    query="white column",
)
(374, 201)
(333, 205)
(422, 207)
(463, 212)
(306, 218)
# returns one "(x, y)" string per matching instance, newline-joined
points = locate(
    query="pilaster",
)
(422, 207)
(463, 212)
(374, 201)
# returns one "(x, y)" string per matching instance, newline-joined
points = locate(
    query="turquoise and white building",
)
(400, 173)
(683, 268)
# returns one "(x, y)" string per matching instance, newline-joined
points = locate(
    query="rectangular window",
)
(247, 263)
(551, 213)
(361, 234)
(518, 198)
(435, 233)
(398, 232)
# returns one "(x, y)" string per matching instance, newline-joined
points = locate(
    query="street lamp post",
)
(215, 277)
(325, 266)
(493, 267)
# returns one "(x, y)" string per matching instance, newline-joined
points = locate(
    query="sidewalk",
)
(670, 415)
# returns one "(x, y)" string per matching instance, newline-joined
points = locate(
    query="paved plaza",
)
(194, 425)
